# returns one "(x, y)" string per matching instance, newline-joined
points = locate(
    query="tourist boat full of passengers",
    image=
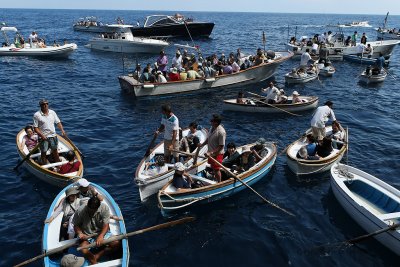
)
(259, 105)
(47, 172)
(338, 47)
(363, 60)
(92, 24)
(384, 33)
(373, 76)
(173, 26)
(170, 199)
(372, 203)
(310, 166)
(14, 47)
(250, 75)
(150, 184)
(51, 233)
(121, 40)
(297, 76)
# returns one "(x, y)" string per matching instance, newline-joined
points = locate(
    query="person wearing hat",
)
(160, 77)
(43, 124)
(181, 178)
(162, 63)
(155, 168)
(320, 118)
(296, 97)
(246, 160)
(71, 260)
(282, 98)
(173, 75)
(68, 206)
(177, 60)
(94, 218)
(170, 126)
(71, 165)
(86, 190)
(259, 150)
(216, 143)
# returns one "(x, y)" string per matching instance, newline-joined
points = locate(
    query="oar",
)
(238, 179)
(150, 145)
(51, 252)
(394, 78)
(272, 105)
(152, 228)
(28, 155)
(74, 146)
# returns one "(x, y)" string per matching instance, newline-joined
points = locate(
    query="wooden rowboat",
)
(373, 78)
(51, 232)
(372, 203)
(149, 185)
(291, 78)
(306, 167)
(252, 105)
(45, 172)
(170, 199)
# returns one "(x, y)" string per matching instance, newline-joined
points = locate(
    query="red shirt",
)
(67, 167)
(174, 76)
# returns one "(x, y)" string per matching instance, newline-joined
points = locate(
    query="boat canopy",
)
(8, 29)
(159, 20)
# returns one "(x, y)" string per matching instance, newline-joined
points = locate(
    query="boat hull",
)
(47, 175)
(299, 80)
(196, 29)
(365, 215)
(170, 202)
(96, 29)
(51, 231)
(312, 103)
(120, 46)
(57, 52)
(372, 79)
(251, 75)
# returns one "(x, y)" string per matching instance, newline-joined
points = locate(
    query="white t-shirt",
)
(305, 57)
(271, 93)
(170, 124)
(46, 123)
(177, 62)
(161, 79)
(321, 116)
(156, 170)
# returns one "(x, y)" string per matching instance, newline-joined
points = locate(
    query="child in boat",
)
(71, 165)
(296, 97)
(30, 139)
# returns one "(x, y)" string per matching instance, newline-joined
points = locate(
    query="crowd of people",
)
(186, 66)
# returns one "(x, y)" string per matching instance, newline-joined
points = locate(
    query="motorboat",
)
(338, 47)
(384, 33)
(170, 199)
(314, 166)
(17, 47)
(51, 233)
(91, 24)
(48, 172)
(148, 182)
(371, 202)
(299, 76)
(121, 40)
(166, 26)
(250, 75)
(363, 60)
(259, 105)
(372, 76)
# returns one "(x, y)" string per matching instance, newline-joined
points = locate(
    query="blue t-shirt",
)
(311, 149)
(180, 182)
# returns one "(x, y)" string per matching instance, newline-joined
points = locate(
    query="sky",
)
(380, 7)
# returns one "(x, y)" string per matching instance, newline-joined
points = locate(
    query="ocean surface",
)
(113, 130)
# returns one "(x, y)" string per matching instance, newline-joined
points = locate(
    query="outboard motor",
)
(270, 54)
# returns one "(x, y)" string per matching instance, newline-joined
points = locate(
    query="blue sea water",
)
(113, 130)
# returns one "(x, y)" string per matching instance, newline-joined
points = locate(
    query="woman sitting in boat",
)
(68, 206)
(160, 78)
(246, 160)
(30, 139)
(71, 165)
(156, 167)
(192, 74)
(311, 145)
(296, 97)
(259, 150)
(181, 178)
(231, 156)
(324, 149)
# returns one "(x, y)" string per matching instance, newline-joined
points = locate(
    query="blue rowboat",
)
(170, 199)
(51, 232)
(362, 60)
(372, 203)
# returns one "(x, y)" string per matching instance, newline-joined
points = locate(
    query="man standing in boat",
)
(170, 126)
(320, 118)
(43, 123)
(216, 143)
(305, 58)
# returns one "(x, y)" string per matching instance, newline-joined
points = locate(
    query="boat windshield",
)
(159, 20)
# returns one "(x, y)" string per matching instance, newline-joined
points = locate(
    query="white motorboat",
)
(373, 77)
(338, 47)
(311, 166)
(121, 40)
(150, 184)
(384, 33)
(372, 203)
(251, 75)
(14, 47)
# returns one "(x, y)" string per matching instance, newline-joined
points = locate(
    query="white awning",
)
(10, 29)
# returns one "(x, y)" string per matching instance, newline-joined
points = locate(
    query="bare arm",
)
(60, 126)
(100, 238)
